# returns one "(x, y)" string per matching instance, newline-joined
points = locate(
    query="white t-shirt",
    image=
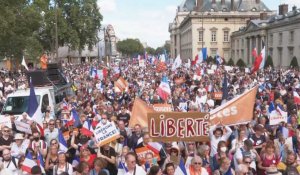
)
(61, 170)
(10, 165)
(139, 171)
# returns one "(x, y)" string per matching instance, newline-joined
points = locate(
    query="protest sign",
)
(139, 113)
(5, 121)
(276, 117)
(236, 111)
(178, 126)
(210, 71)
(141, 154)
(162, 107)
(217, 95)
(106, 133)
(23, 127)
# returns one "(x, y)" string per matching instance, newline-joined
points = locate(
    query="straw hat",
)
(19, 136)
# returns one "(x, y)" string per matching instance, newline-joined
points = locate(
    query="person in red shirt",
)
(87, 156)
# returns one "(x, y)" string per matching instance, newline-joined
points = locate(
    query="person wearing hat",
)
(246, 151)
(19, 145)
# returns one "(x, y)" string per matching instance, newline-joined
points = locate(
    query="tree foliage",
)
(28, 27)
(210, 59)
(269, 62)
(129, 47)
(294, 62)
(230, 62)
(150, 50)
(240, 63)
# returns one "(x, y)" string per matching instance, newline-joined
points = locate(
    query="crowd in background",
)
(253, 148)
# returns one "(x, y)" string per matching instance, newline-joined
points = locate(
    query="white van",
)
(17, 102)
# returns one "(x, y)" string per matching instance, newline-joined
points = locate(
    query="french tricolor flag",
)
(74, 120)
(122, 169)
(87, 128)
(155, 147)
(164, 89)
(33, 111)
(28, 163)
(296, 97)
(62, 142)
(181, 170)
(40, 162)
(260, 60)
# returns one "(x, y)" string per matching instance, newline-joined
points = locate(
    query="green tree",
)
(269, 62)
(159, 50)
(129, 47)
(28, 27)
(167, 47)
(150, 50)
(230, 62)
(210, 59)
(240, 63)
(294, 62)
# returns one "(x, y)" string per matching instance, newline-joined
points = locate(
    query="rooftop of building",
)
(238, 5)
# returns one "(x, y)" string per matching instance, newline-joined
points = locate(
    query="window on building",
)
(214, 36)
(213, 52)
(291, 52)
(226, 36)
(200, 36)
(280, 38)
(291, 39)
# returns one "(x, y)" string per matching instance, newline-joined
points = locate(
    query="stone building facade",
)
(210, 23)
(280, 34)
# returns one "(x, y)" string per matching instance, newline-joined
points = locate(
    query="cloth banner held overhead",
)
(121, 84)
(139, 113)
(178, 126)
(236, 111)
(23, 127)
(106, 133)
(142, 152)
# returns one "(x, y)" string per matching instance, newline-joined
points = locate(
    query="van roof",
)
(26, 92)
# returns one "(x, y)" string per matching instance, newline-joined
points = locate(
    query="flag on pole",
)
(87, 128)
(164, 89)
(35, 114)
(177, 63)
(24, 63)
(40, 162)
(260, 60)
(28, 163)
(181, 170)
(62, 142)
(219, 59)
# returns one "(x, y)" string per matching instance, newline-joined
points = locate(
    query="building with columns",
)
(210, 23)
(279, 33)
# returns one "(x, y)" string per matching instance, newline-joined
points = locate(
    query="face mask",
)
(223, 149)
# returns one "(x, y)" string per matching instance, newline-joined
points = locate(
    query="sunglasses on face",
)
(6, 131)
(197, 163)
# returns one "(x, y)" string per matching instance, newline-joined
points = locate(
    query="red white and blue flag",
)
(164, 89)
(260, 60)
(41, 163)
(87, 128)
(28, 163)
(62, 142)
(33, 111)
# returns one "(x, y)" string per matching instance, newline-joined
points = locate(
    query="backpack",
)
(13, 159)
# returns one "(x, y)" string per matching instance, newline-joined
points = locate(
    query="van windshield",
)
(17, 105)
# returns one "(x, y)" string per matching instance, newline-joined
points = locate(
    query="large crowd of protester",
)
(254, 148)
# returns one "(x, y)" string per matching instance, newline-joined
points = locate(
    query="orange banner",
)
(139, 113)
(236, 111)
(217, 95)
(162, 107)
(141, 154)
(121, 84)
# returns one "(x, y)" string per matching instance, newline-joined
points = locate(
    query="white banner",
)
(23, 127)
(105, 133)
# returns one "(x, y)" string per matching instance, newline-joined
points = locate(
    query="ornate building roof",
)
(239, 5)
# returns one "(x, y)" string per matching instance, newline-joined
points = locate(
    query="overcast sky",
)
(148, 20)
